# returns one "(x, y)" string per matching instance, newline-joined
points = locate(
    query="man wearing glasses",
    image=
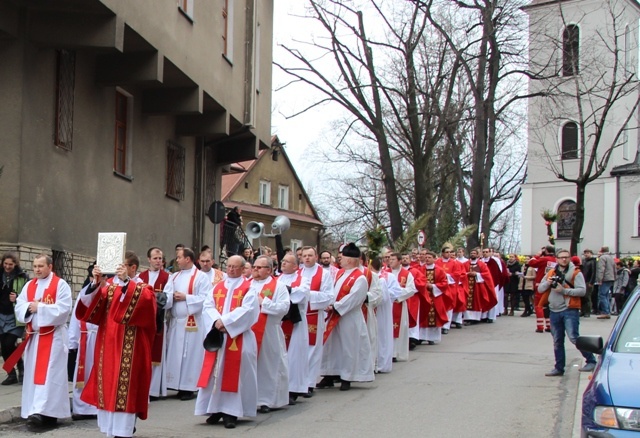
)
(273, 370)
(565, 285)
(228, 383)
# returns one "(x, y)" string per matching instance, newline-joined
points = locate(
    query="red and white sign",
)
(421, 238)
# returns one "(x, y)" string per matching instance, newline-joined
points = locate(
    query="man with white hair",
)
(295, 331)
(273, 370)
(228, 383)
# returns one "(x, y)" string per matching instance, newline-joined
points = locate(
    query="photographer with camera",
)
(566, 286)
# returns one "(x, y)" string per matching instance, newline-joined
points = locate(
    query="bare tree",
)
(595, 89)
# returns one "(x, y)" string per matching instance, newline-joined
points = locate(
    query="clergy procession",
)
(257, 337)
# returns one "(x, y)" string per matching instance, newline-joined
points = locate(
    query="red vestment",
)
(456, 291)
(417, 304)
(436, 307)
(482, 296)
(121, 374)
(158, 341)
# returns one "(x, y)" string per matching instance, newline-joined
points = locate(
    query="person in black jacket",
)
(588, 269)
(13, 280)
(512, 289)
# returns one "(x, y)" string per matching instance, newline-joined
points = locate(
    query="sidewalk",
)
(10, 399)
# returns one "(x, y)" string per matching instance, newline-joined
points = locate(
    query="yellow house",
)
(268, 187)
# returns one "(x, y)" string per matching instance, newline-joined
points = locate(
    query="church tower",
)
(583, 56)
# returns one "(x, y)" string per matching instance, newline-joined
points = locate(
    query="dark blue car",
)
(611, 402)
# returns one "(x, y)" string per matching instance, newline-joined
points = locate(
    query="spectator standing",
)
(13, 280)
(566, 285)
(620, 285)
(605, 276)
(515, 272)
(527, 280)
(588, 268)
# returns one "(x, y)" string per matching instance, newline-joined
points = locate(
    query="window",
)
(186, 7)
(295, 244)
(175, 171)
(227, 30)
(283, 197)
(265, 192)
(122, 148)
(570, 141)
(566, 219)
(571, 50)
(65, 84)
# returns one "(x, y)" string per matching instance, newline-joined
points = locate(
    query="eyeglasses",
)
(260, 267)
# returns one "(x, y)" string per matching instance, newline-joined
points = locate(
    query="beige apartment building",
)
(121, 116)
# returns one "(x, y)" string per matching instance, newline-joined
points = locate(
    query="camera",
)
(556, 280)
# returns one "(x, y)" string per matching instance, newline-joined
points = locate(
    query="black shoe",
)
(292, 400)
(525, 314)
(345, 385)
(412, 343)
(484, 320)
(78, 417)
(445, 331)
(431, 342)
(229, 421)
(11, 379)
(457, 325)
(42, 421)
(186, 395)
(394, 360)
(264, 409)
(326, 382)
(214, 418)
(548, 330)
(153, 398)
(491, 321)
(309, 393)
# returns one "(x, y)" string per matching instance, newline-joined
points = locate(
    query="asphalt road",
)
(484, 380)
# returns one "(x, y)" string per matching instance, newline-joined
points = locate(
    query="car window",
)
(629, 338)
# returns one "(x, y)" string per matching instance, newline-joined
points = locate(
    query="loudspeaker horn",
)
(254, 229)
(280, 224)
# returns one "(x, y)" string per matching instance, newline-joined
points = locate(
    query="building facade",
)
(579, 48)
(121, 115)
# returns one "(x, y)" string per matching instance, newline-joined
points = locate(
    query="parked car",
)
(611, 402)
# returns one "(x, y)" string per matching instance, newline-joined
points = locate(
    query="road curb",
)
(10, 415)
(577, 418)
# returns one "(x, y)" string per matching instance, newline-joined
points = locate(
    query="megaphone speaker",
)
(254, 229)
(280, 224)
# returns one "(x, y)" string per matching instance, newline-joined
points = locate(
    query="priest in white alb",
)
(273, 367)
(347, 351)
(44, 305)
(228, 381)
(400, 308)
(295, 332)
(186, 292)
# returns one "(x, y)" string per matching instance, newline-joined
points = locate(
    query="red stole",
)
(369, 276)
(45, 340)
(82, 355)
(158, 340)
(191, 325)
(258, 328)
(333, 317)
(403, 276)
(312, 315)
(233, 346)
(287, 326)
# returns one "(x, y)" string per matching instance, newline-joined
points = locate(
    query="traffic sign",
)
(421, 238)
